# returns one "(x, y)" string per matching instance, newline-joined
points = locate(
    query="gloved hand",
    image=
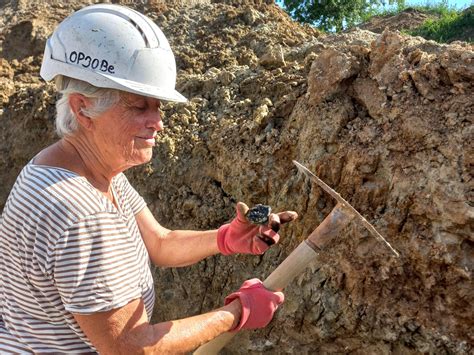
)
(242, 236)
(258, 304)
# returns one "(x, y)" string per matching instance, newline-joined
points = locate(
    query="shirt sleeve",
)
(95, 265)
(135, 200)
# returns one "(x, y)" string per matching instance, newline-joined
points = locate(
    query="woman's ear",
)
(78, 103)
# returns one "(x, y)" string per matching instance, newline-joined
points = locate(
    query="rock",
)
(6, 70)
(251, 16)
(368, 93)
(260, 113)
(226, 77)
(272, 57)
(25, 39)
(328, 72)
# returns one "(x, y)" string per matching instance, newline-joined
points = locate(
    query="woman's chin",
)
(142, 157)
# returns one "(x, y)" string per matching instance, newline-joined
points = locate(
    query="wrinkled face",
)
(125, 134)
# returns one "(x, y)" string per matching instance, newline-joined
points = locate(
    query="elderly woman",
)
(76, 238)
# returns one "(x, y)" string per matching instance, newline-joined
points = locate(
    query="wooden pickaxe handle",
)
(292, 266)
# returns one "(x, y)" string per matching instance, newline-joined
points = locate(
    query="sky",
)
(458, 4)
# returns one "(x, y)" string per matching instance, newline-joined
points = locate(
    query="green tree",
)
(330, 15)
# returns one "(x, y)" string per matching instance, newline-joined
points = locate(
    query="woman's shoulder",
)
(57, 191)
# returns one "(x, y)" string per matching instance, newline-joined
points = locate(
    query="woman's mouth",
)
(149, 140)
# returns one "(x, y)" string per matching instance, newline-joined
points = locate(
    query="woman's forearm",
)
(126, 330)
(183, 247)
(181, 336)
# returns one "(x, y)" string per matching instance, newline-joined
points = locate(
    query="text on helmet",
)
(88, 62)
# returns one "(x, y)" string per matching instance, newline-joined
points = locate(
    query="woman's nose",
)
(154, 120)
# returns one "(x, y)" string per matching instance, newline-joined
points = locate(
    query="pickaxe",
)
(340, 216)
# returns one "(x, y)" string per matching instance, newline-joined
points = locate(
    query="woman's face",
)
(125, 134)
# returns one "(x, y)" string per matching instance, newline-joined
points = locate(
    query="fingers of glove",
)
(251, 283)
(259, 288)
(259, 245)
(279, 298)
(268, 235)
(287, 216)
(261, 242)
(261, 304)
(274, 222)
(242, 210)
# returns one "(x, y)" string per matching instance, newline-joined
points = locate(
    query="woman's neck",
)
(87, 162)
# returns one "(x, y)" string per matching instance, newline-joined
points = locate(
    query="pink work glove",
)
(242, 236)
(258, 304)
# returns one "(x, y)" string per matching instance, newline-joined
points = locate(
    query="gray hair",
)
(102, 99)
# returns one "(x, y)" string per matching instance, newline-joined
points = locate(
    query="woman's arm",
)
(174, 248)
(181, 248)
(126, 330)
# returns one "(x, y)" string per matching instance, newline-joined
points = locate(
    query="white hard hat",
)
(112, 46)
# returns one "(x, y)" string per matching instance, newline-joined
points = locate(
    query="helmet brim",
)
(146, 90)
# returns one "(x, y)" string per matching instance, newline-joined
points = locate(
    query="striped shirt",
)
(65, 248)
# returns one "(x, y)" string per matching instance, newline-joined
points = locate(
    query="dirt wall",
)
(385, 119)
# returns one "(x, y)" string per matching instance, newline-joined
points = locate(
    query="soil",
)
(407, 19)
(384, 118)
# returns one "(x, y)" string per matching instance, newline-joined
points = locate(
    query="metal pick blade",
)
(345, 204)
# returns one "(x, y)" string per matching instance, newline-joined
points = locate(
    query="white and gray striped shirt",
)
(65, 248)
